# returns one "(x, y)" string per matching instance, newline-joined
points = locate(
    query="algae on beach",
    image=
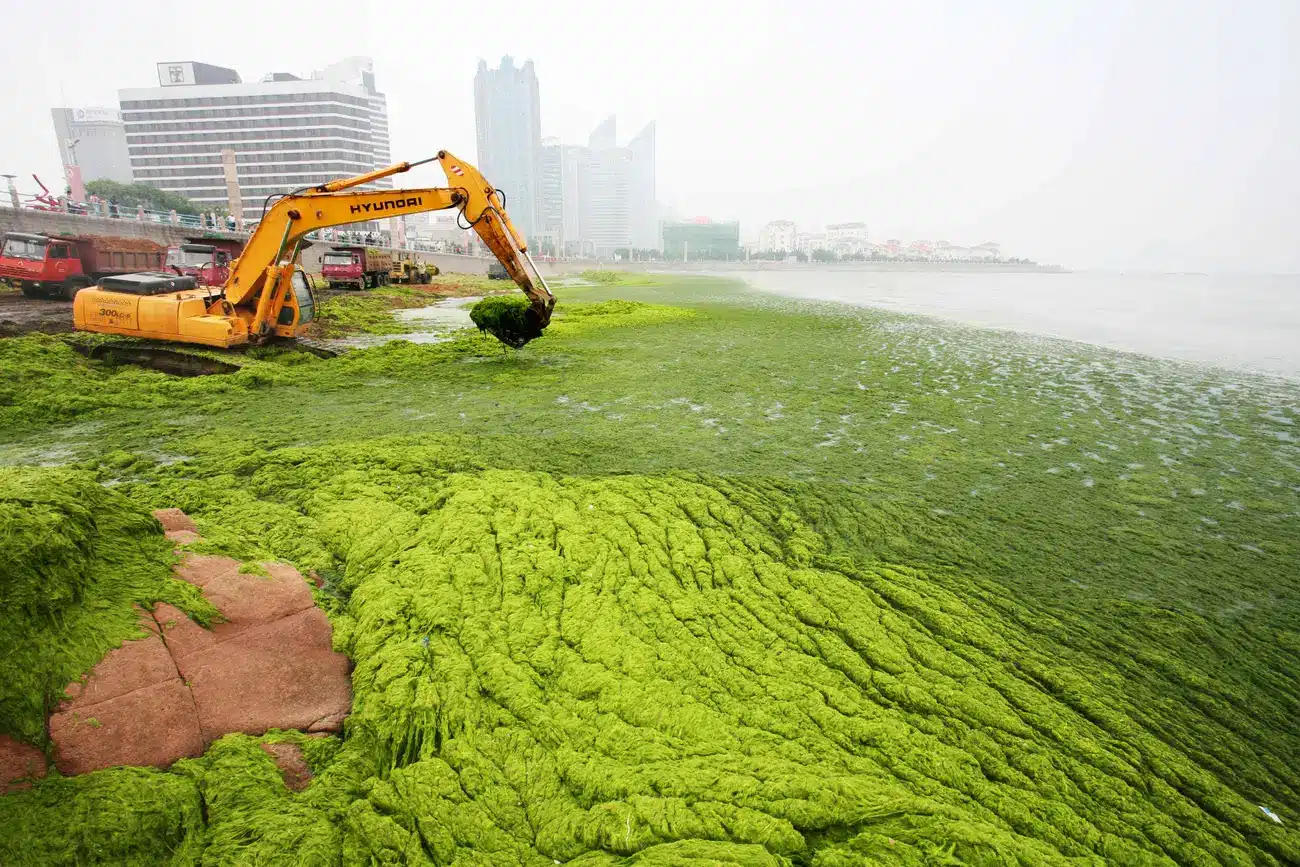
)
(768, 585)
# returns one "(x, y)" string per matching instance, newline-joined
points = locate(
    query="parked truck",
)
(357, 267)
(59, 266)
(207, 261)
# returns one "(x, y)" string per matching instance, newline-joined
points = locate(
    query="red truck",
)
(356, 267)
(207, 262)
(59, 265)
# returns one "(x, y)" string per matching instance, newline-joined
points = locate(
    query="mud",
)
(22, 315)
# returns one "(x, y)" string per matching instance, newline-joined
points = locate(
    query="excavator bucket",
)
(485, 211)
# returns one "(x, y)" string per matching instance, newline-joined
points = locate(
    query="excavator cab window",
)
(306, 301)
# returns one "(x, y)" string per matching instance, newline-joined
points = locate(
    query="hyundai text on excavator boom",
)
(268, 295)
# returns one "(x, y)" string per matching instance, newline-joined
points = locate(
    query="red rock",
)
(184, 537)
(199, 569)
(293, 767)
(246, 601)
(19, 761)
(182, 635)
(135, 664)
(332, 724)
(279, 675)
(145, 619)
(154, 726)
(175, 519)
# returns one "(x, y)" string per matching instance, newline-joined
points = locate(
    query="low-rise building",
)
(846, 239)
(778, 236)
(811, 242)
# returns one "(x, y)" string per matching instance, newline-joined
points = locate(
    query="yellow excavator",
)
(268, 295)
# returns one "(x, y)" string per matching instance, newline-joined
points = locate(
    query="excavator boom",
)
(261, 297)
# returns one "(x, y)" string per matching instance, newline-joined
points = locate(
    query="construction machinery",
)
(268, 294)
(407, 270)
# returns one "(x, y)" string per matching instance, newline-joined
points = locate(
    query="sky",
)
(1134, 135)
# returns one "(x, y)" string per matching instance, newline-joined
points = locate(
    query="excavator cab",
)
(299, 306)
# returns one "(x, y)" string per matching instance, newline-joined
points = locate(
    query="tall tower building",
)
(643, 210)
(507, 112)
(552, 192)
(287, 132)
(605, 195)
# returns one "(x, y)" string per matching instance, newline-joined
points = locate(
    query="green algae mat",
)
(701, 578)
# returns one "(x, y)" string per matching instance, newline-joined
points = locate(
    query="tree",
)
(135, 195)
(824, 256)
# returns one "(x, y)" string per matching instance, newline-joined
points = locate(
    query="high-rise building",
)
(605, 195)
(643, 210)
(287, 132)
(575, 161)
(507, 113)
(618, 206)
(605, 135)
(360, 71)
(552, 192)
(95, 140)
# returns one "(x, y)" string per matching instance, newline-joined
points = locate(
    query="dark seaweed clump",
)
(508, 318)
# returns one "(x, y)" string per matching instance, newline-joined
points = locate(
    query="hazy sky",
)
(1142, 134)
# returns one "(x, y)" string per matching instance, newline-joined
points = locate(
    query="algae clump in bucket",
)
(508, 318)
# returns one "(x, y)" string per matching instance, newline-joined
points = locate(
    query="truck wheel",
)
(73, 285)
(32, 292)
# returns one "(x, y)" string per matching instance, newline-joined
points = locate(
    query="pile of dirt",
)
(508, 318)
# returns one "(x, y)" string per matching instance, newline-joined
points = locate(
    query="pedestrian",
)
(112, 209)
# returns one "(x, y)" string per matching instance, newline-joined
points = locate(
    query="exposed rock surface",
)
(293, 767)
(173, 692)
(18, 762)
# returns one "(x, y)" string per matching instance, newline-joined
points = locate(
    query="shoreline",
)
(747, 267)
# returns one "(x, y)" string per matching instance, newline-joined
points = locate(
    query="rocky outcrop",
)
(19, 763)
(173, 692)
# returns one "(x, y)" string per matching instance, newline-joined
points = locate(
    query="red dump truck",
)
(59, 265)
(356, 267)
(207, 261)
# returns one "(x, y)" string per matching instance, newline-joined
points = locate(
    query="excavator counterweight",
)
(268, 295)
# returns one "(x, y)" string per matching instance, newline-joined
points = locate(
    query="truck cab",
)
(41, 265)
(344, 269)
(208, 265)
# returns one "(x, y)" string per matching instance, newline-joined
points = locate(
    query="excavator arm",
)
(269, 257)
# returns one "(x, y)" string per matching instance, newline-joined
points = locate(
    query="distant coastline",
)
(755, 265)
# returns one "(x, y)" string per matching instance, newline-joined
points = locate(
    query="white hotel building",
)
(286, 132)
